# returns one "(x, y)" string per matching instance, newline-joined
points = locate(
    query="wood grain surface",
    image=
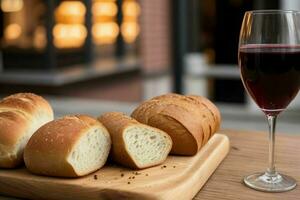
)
(248, 154)
(178, 178)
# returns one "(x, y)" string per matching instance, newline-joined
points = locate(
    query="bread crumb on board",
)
(235, 148)
(136, 173)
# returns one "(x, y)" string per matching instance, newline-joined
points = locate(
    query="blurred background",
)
(93, 56)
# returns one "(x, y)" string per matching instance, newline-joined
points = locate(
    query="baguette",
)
(189, 120)
(20, 116)
(135, 145)
(68, 147)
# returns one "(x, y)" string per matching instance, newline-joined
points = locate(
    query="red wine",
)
(271, 75)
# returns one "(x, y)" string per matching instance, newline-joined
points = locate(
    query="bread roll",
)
(135, 145)
(189, 120)
(68, 147)
(20, 116)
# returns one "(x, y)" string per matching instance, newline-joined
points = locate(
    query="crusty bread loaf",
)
(135, 145)
(214, 111)
(189, 120)
(68, 147)
(20, 116)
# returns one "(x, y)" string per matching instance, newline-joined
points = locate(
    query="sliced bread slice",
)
(68, 147)
(91, 151)
(136, 145)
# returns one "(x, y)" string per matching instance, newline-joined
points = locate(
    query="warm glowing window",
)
(69, 35)
(105, 29)
(130, 28)
(103, 9)
(105, 33)
(12, 32)
(69, 30)
(11, 5)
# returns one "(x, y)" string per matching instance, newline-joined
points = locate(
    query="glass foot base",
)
(270, 182)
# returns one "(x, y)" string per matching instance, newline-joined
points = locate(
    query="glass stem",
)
(272, 125)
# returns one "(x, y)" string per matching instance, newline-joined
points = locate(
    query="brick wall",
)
(155, 38)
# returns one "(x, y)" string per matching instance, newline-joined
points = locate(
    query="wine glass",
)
(269, 61)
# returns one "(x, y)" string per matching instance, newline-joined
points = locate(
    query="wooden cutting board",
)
(178, 178)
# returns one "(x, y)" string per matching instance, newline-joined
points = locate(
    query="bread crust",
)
(48, 149)
(201, 114)
(116, 124)
(20, 115)
(196, 119)
(177, 132)
(212, 108)
(27, 102)
(11, 125)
